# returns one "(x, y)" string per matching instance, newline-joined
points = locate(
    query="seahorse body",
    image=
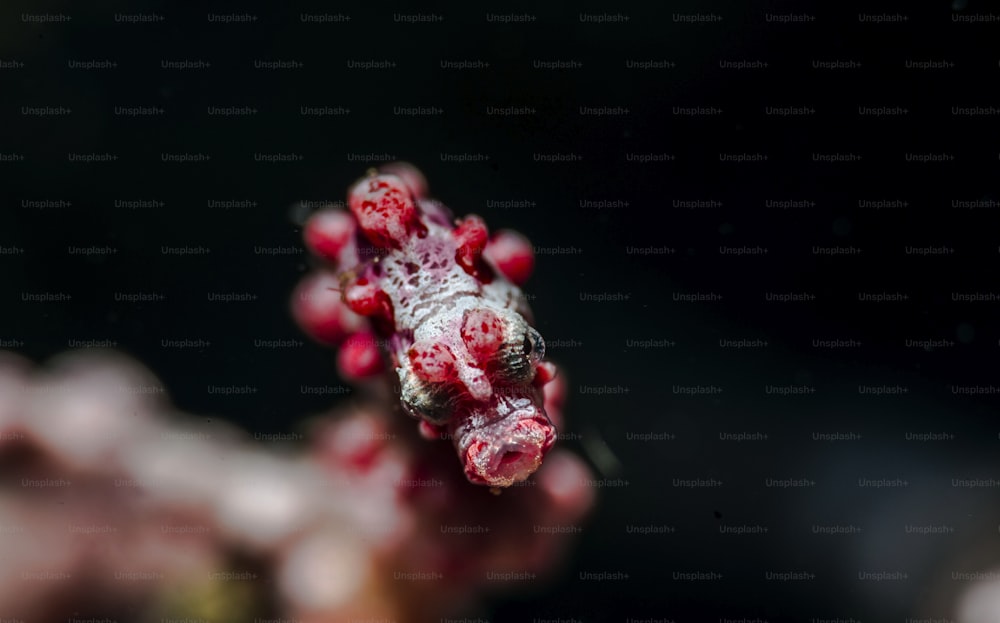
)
(457, 331)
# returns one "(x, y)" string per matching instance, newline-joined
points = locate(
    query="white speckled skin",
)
(430, 293)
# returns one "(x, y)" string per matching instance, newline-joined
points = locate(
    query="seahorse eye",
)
(411, 410)
(434, 402)
(517, 359)
(534, 346)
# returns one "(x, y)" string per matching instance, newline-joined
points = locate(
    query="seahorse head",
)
(479, 379)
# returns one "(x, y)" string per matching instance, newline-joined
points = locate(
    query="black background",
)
(597, 343)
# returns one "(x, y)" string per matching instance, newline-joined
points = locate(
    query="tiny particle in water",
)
(965, 333)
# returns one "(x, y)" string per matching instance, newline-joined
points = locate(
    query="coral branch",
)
(163, 510)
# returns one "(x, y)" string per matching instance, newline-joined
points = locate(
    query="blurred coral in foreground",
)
(113, 506)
